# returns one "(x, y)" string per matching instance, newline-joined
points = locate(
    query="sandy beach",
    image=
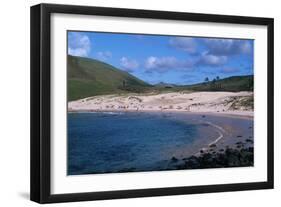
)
(210, 102)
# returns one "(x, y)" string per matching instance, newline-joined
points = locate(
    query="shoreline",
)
(231, 148)
(234, 114)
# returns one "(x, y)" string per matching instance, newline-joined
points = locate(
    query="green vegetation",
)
(246, 103)
(231, 84)
(89, 77)
(234, 84)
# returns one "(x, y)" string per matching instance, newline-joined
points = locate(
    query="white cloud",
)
(187, 44)
(164, 64)
(228, 47)
(212, 60)
(246, 47)
(79, 44)
(104, 55)
(81, 52)
(128, 64)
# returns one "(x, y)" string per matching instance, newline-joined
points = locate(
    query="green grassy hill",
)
(89, 77)
(234, 84)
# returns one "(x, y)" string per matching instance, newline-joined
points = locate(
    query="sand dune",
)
(240, 103)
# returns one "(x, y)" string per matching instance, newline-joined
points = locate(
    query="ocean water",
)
(112, 142)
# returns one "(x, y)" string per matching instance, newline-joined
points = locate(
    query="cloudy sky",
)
(170, 59)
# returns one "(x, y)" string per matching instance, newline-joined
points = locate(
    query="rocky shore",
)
(230, 157)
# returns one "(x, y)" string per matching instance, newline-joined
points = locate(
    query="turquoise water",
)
(123, 142)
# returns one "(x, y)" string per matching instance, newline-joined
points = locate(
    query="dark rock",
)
(213, 145)
(192, 163)
(174, 159)
(226, 158)
(251, 149)
(249, 140)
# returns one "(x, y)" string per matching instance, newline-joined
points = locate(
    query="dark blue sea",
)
(112, 142)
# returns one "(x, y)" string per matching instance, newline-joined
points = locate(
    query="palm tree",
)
(207, 79)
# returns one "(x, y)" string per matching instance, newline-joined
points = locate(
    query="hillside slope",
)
(89, 77)
(233, 84)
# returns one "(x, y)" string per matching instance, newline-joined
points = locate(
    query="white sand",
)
(219, 102)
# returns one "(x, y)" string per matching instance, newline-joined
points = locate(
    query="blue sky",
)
(169, 59)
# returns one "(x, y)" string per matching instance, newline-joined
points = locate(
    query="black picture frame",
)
(40, 184)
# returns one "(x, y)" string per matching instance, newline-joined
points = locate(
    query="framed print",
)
(133, 103)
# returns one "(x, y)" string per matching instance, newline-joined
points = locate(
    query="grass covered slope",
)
(233, 84)
(89, 77)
